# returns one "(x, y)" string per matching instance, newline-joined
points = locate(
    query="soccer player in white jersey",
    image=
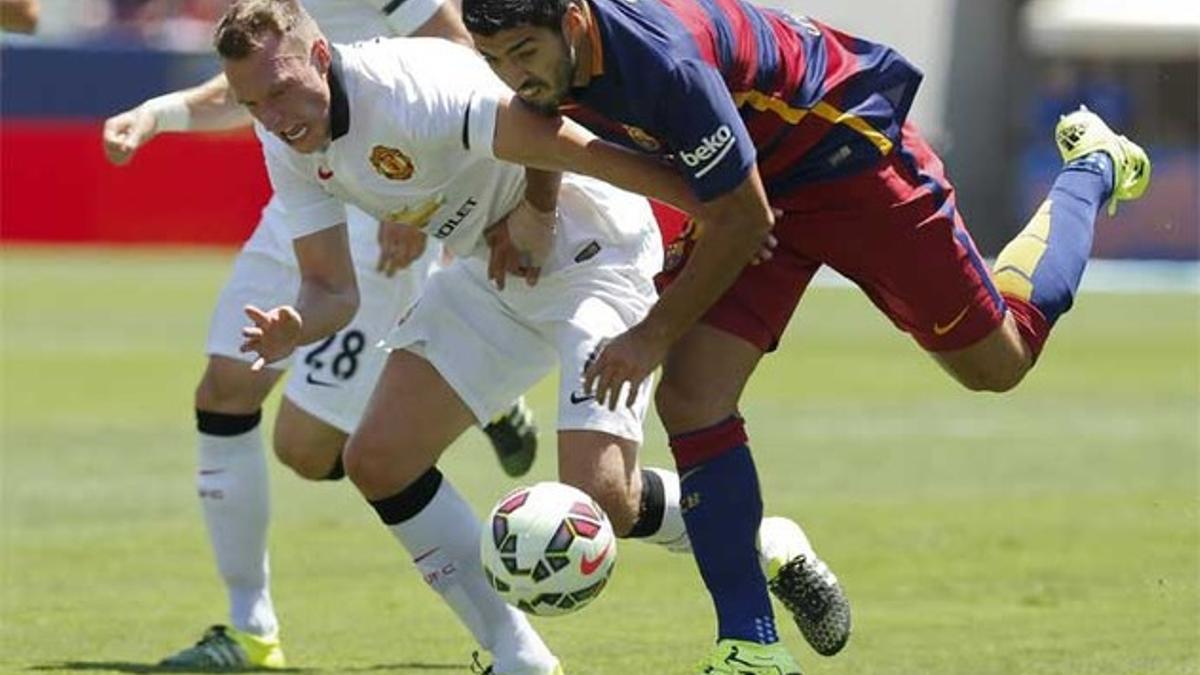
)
(332, 379)
(414, 129)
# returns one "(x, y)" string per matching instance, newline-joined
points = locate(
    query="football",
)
(548, 549)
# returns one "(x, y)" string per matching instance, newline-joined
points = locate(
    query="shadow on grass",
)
(129, 667)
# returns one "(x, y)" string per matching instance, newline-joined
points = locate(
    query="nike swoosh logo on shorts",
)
(939, 329)
(581, 398)
(320, 383)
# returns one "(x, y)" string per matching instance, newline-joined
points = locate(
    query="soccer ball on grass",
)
(547, 549)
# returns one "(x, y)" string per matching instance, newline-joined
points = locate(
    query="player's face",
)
(536, 62)
(284, 88)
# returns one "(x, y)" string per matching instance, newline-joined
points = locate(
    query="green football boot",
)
(514, 438)
(1083, 132)
(225, 649)
(736, 657)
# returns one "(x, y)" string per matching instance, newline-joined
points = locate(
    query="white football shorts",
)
(333, 378)
(492, 346)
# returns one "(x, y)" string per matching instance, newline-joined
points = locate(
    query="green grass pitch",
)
(1051, 531)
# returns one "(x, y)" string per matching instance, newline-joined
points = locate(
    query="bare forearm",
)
(328, 297)
(558, 144)
(206, 107)
(324, 310)
(636, 173)
(541, 188)
(213, 108)
(715, 263)
(733, 228)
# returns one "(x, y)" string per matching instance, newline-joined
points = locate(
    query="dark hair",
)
(487, 17)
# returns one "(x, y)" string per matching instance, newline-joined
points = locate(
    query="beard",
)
(557, 89)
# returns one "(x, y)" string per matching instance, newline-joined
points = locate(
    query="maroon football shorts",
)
(893, 229)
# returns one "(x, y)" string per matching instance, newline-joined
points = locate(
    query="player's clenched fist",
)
(126, 132)
(274, 335)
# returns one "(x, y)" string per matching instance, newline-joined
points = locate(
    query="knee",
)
(682, 405)
(379, 467)
(995, 380)
(212, 394)
(310, 460)
(221, 393)
(613, 495)
(363, 459)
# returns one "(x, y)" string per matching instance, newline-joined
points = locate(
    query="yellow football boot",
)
(1083, 132)
(736, 657)
(227, 649)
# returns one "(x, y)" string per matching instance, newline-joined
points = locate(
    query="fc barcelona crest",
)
(391, 163)
(677, 252)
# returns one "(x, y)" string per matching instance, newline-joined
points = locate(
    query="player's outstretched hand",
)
(274, 335)
(626, 360)
(126, 132)
(399, 246)
(504, 258)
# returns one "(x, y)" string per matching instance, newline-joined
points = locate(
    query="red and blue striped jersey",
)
(720, 84)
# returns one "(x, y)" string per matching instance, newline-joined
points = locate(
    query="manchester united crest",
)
(391, 163)
(643, 139)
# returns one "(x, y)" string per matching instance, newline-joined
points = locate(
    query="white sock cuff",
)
(672, 533)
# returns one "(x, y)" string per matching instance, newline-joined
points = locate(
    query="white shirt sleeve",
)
(406, 16)
(456, 110)
(480, 123)
(309, 208)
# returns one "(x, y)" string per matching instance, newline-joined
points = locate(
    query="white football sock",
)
(231, 479)
(672, 533)
(444, 542)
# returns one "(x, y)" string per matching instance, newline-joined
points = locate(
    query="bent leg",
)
(985, 328)
(1038, 274)
(229, 387)
(308, 444)
(413, 416)
(231, 481)
(605, 467)
(703, 378)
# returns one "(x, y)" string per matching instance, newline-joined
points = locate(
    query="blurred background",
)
(998, 74)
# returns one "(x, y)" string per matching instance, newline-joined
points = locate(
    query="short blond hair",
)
(247, 24)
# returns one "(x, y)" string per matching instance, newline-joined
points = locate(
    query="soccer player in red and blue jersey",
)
(762, 110)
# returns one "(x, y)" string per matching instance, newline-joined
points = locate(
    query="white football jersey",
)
(412, 124)
(349, 21)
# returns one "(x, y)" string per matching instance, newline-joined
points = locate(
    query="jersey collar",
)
(597, 69)
(339, 105)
